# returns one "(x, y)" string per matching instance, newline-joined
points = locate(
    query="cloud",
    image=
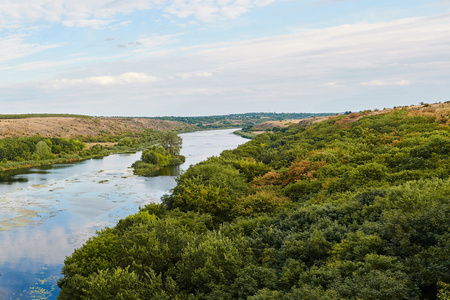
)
(31, 66)
(69, 12)
(396, 45)
(386, 82)
(130, 44)
(95, 23)
(209, 11)
(331, 84)
(39, 66)
(150, 42)
(308, 70)
(193, 75)
(100, 13)
(13, 47)
(122, 79)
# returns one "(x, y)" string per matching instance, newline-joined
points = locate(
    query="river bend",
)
(46, 213)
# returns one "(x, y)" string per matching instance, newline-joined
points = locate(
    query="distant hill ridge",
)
(70, 126)
(438, 110)
(73, 125)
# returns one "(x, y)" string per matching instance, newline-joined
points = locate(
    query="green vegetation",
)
(123, 139)
(36, 150)
(239, 120)
(165, 154)
(351, 208)
(245, 134)
(171, 142)
(27, 152)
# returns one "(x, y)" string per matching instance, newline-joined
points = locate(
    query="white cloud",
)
(293, 71)
(99, 13)
(150, 42)
(331, 84)
(210, 10)
(81, 13)
(398, 45)
(386, 82)
(13, 47)
(95, 23)
(122, 79)
(31, 66)
(193, 75)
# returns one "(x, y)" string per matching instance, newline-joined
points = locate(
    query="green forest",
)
(355, 207)
(24, 152)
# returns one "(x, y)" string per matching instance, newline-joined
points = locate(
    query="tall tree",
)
(171, 142)
(43, 150)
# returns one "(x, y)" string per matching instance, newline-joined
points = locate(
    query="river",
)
(46, 213)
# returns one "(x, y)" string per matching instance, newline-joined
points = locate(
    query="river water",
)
(46, 213)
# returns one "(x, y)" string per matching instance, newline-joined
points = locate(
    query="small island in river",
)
(156, 157)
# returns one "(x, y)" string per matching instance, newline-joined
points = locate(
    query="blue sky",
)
(209, 57)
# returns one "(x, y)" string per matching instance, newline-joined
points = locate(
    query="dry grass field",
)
(69, 127)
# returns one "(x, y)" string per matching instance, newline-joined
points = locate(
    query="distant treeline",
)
(244, 118)
(26, 116)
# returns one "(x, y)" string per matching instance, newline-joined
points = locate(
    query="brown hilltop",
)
(440, 111)
(70, 127)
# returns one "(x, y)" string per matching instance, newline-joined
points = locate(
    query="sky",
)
(215, 57)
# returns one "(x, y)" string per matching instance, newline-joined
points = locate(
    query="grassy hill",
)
(69, 126)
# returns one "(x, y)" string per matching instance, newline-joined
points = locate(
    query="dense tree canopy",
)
(19, 149)
(351, 208)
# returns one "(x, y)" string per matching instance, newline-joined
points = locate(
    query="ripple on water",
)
(74, 201)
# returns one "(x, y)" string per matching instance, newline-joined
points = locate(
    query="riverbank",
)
(244, 134)
(15, 165)
(103, 149)
(51, 211)
(69, 158)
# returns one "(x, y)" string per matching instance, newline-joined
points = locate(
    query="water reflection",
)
(47, 212)
(49, 247)
(20, 174)
(170, 171)
(11, 178)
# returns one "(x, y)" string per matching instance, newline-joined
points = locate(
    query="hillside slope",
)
(70, 127)
(438, 110)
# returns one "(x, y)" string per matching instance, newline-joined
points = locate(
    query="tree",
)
(150, 156)
(126, 141)
(156, 155)
(171, 142)
(43, 150)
